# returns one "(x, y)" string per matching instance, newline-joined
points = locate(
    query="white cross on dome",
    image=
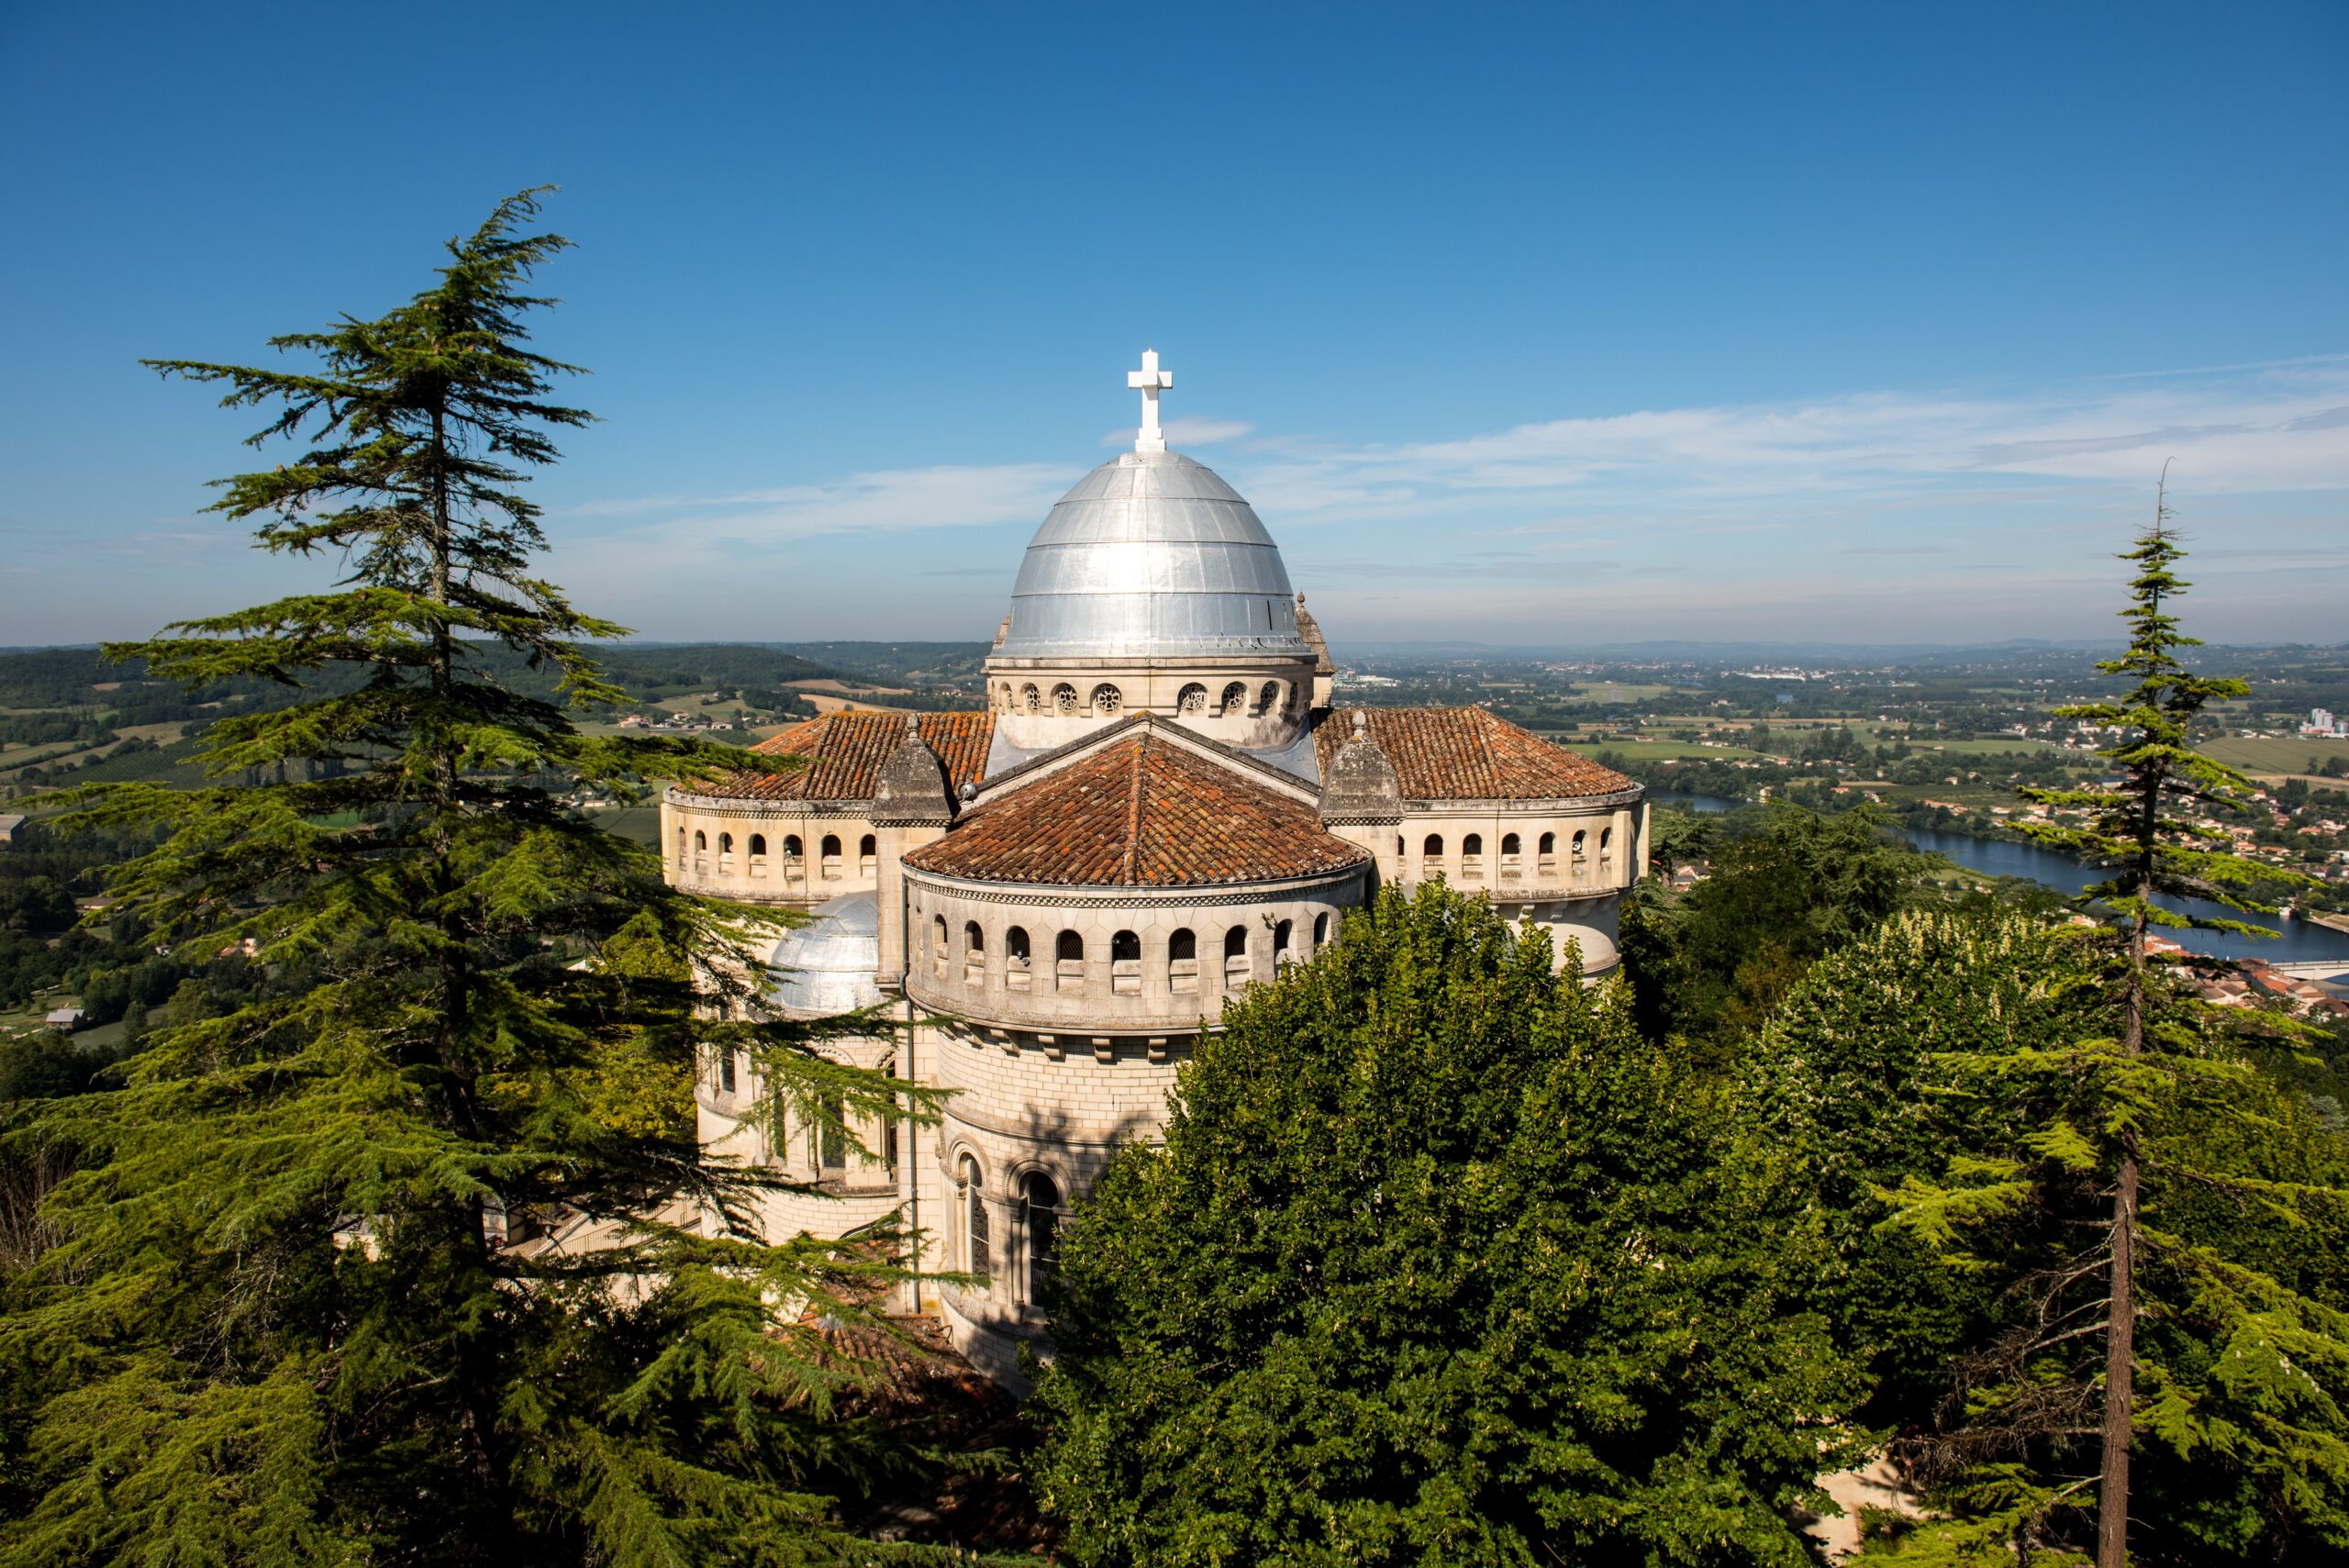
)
(1149, 381)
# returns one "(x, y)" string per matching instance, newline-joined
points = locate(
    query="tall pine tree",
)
(2144, 1326)
(290, 1317)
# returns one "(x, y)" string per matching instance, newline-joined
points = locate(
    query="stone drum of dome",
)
(1151, 556)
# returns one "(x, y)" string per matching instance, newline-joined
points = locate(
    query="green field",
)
(1612, 693)
(1987, 748)
(1650, 750)
(2275, 756)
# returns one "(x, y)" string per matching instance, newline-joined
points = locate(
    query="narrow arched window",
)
(830, 850)
(1235, 958)
(938, 942)
(1014, 957)
(1269, 699)
(725, 843)
(1474, 844)
(792, 848)
(1235, 698)
(1105, 698)
(758, 846)
(1605, 838)
(1068, 961)
(726, 1070)
(1125, 965)
(701, 841)
(1579, 836)
(1183, 961)
(1511, 845)
(969, 1190)
(681, 844)
(866, 859)
(832, 1139)
(974, 954)
(1280, 942)
(1041, 1214)
(1064, 698)
(1549, 845)
(1433, 849)
(1320, 931)
(1031, 698)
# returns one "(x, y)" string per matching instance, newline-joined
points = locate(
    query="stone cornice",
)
(760, 806)
(1205, 894)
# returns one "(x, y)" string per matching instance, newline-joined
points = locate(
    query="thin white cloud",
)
(2273, 429)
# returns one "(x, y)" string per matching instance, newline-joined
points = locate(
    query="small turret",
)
(912, 787)
(1361, 786)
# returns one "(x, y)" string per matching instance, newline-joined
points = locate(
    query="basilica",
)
(1051, 900)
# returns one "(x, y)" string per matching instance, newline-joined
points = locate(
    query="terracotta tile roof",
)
(842, 753)
(1466, 754)
(1141, 812)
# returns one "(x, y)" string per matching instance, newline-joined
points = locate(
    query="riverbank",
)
(2308, 938)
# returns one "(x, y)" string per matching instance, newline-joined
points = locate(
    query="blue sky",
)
(1551, 324)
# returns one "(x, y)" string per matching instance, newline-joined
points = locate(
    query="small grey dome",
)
(1151, 556)
(827, 965)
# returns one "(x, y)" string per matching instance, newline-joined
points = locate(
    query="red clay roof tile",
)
(1141, 812)
(1466, 753)
(841, 754)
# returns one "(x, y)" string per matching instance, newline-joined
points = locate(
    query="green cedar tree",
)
(1439, 1262)
(280, 1319)
(2207, 1346)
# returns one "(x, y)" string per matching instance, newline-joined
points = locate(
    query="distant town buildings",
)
(2322, 722)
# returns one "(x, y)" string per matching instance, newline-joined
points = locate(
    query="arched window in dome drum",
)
(1182, 963)
(1064, 698)
(1268, 701)
(1472, 856)
(1040, 1215)
(680, 846)
(1031, 698)
(1192, 698)
(830, 853)
(1105, 698)
(1014, 957)
(1235, 958)
(938, 945)
(758, 846)
(1281, 954)
(1548, 850)
(1605, 842)
(1125, 965)
(1068, 962)
(1432, 852)
(725, 844)
(1235, 698)
(971, 1200)
(868, 858)
(1320, 931)
(791, 849)
(701, 841)
(832, 1139)
(974, 954)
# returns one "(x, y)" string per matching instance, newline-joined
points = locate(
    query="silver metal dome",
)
(827, 965)
(1151, 556)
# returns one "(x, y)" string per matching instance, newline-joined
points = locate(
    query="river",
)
(2295, 940)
